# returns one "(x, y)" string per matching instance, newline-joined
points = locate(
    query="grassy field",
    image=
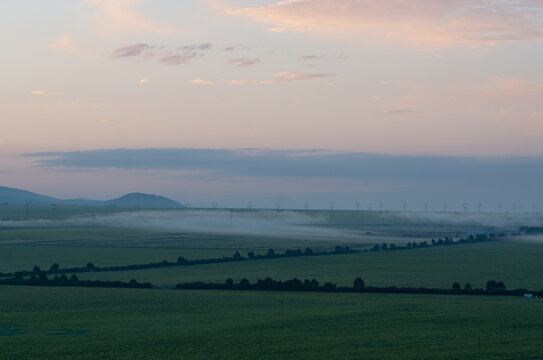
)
(15, 258)
(517, 264)
(174, 324)
(92, 323)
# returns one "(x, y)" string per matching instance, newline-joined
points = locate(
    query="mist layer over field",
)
(475, 219)
(329, 225)
(258, 223)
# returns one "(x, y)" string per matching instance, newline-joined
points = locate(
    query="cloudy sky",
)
(326, 82)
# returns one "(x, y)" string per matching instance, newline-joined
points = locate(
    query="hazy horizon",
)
(233, 178)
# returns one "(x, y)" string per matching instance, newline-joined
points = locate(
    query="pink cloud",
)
(177, 59)
(182, 55)
(282, 77)
(121, 16)
(417, 22)
(244, 61)
(131, 50)
(293, 76)
(201, 82)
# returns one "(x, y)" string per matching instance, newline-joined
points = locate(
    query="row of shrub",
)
(181, 261)
(268, 284)
(439, 242)
(63, 280)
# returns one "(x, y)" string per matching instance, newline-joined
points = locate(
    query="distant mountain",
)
(20, 197)
(14, 196)
(144, 200)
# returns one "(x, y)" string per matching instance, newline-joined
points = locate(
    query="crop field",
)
(437, 267)
(98, 323)
(175, 324)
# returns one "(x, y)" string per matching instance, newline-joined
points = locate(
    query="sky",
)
(449, 88)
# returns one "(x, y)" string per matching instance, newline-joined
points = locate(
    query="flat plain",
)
(95, 323)
(79, 323)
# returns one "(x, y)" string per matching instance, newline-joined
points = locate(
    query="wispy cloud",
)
(144, 81)
(418, 22)
(37, 92)
(281, 77)
(201, 82)
(119, 16)
(244, 61)
(313, 57)
(68, 44)
(235, 47)
(206, 46)
(132, 50)
(177, 59)
(181, 55)
(294, 76)
(240, 82)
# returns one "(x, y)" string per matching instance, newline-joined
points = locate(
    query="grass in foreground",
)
(58, 323)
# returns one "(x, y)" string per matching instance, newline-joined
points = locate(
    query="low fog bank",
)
(475, 219)
(536, 239)
(258, 223)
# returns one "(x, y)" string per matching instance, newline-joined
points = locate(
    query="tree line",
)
(41, 279)
(251, 255)
(268, 284)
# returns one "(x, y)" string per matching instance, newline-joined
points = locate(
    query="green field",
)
(58, 323)
(94, 323)
(517, 264)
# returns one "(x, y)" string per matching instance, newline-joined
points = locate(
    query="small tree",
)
(358, 283)
(229, 283)
(36, 269)
(308, 251)
(74, 278)
(54, 267)
(90, 266)
(244, 284)
(182, 260)
(456, 286)
(468, 287)
(251, 255)
(237, 256)
(270, 253)
(491, 285)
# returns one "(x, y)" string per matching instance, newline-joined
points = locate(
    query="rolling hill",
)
(13, 196)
